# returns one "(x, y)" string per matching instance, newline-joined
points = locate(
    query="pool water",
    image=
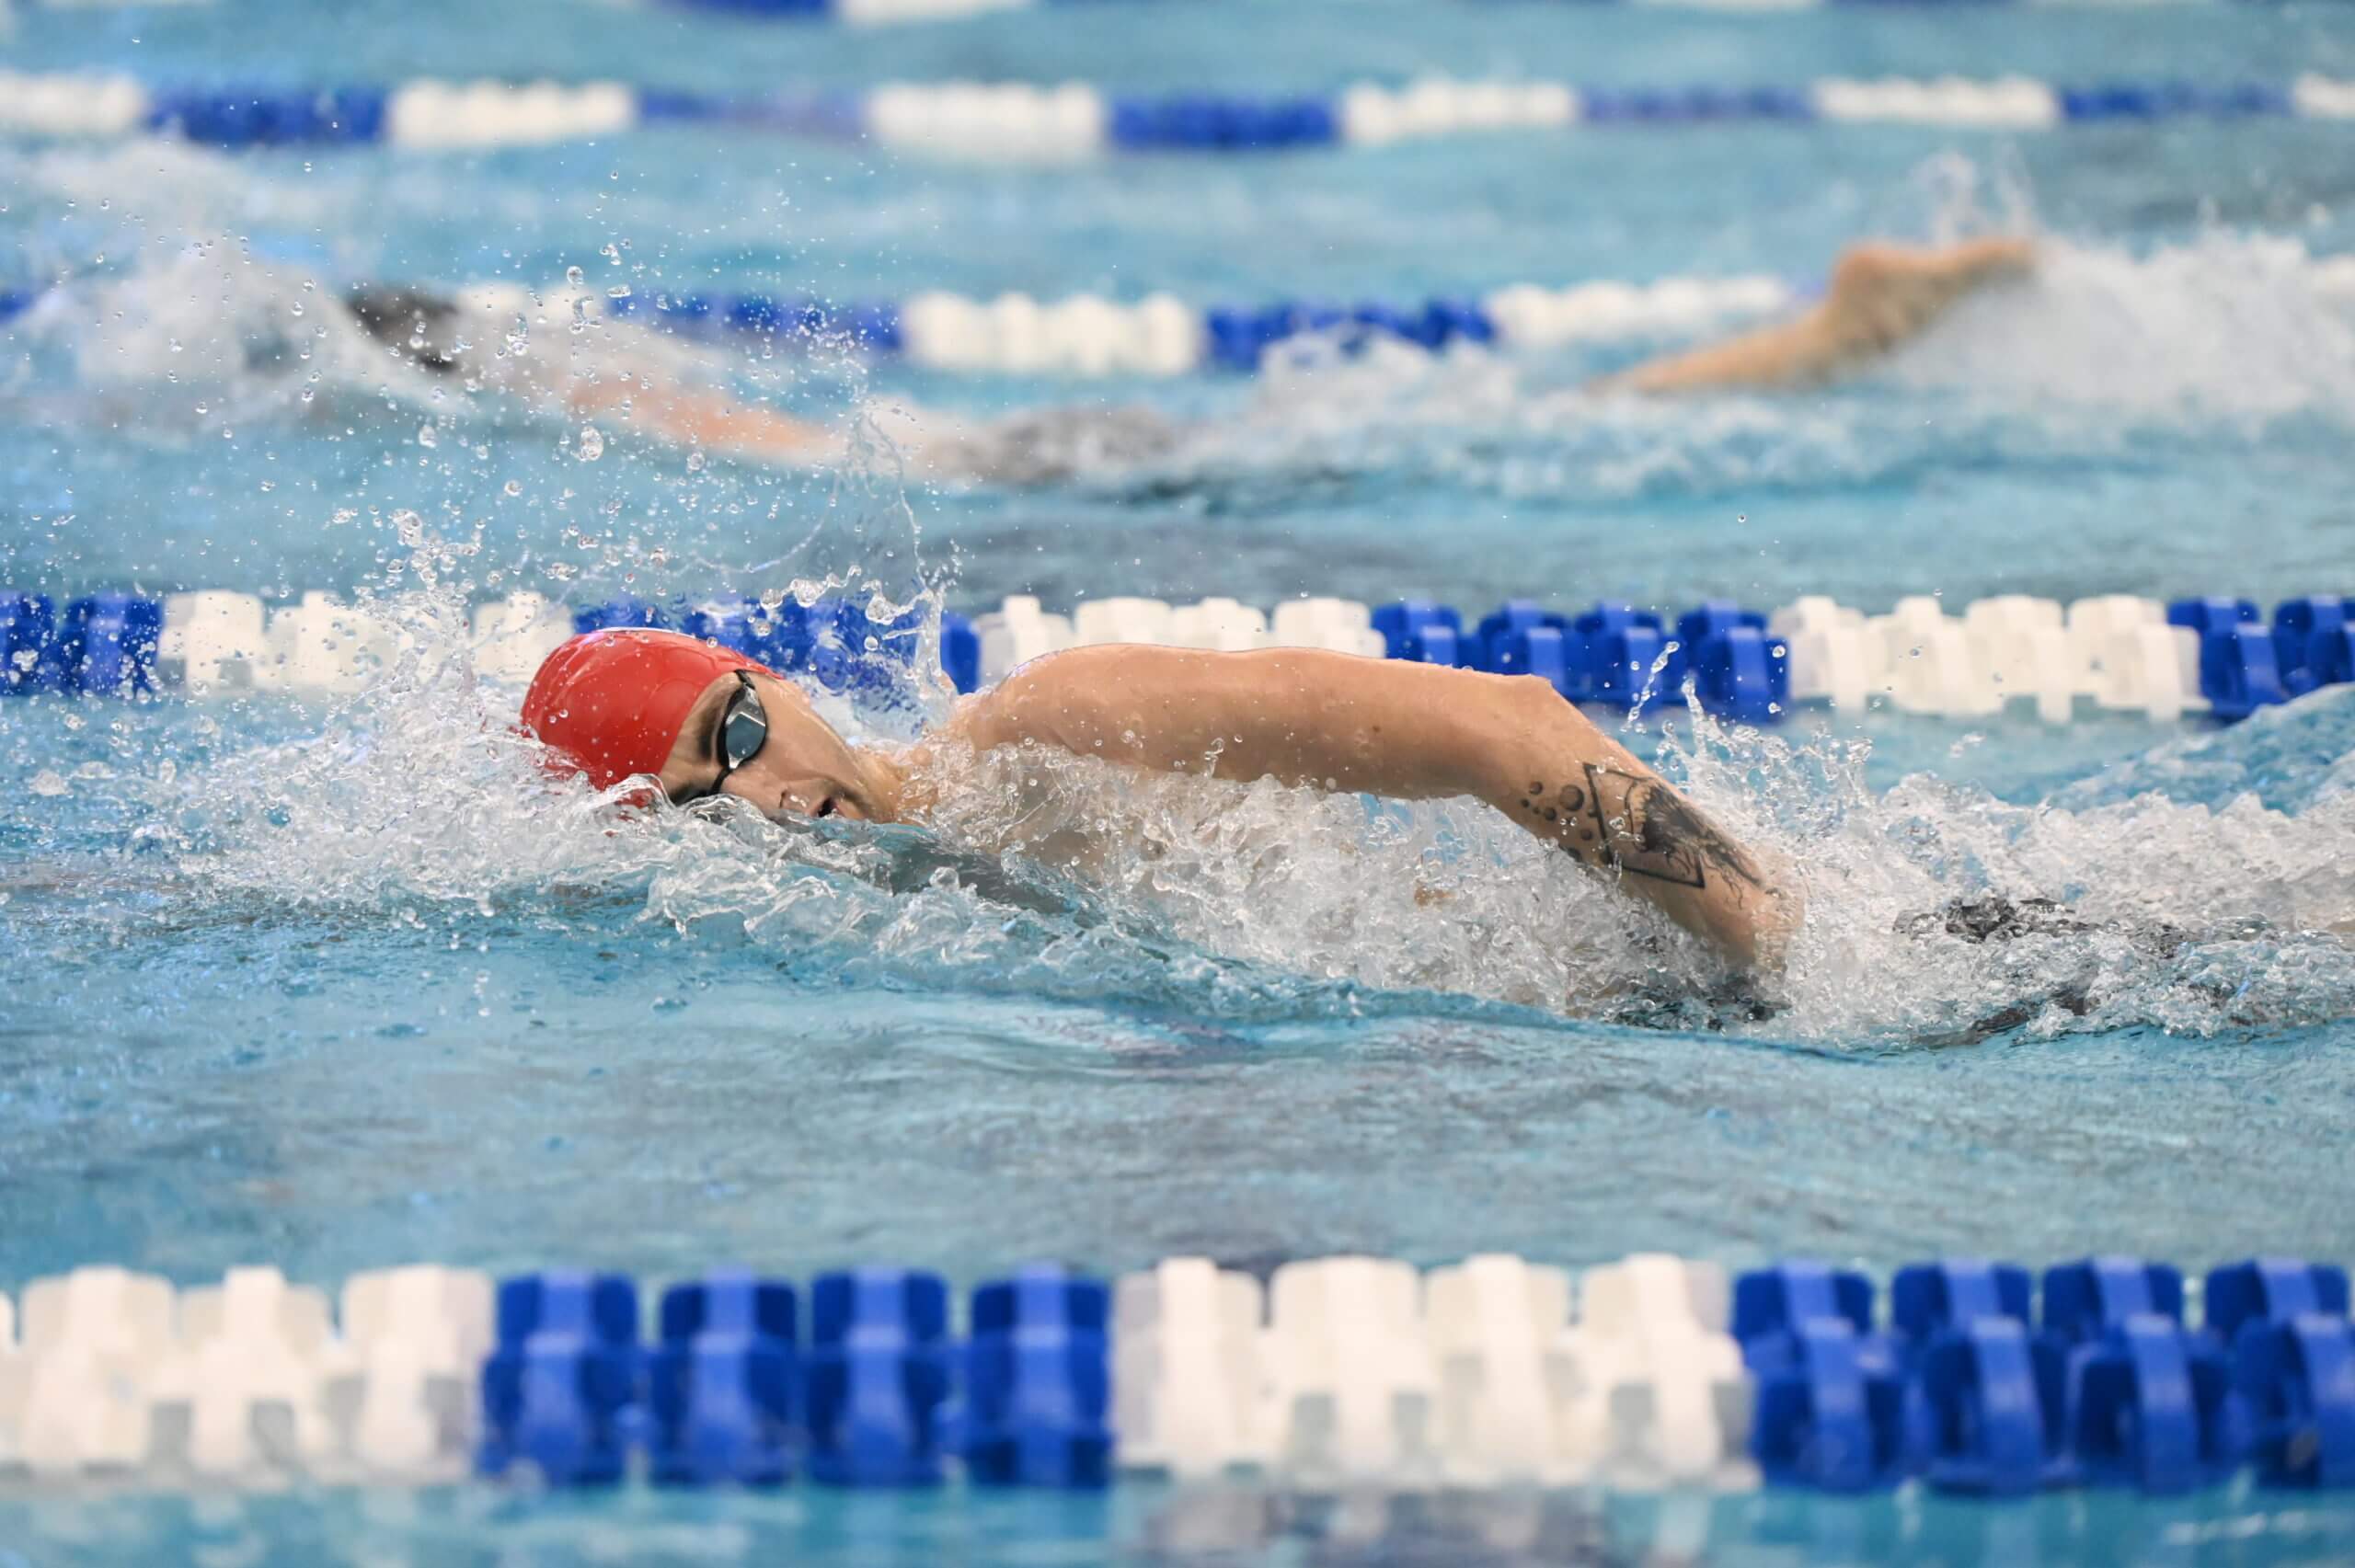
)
(339, 984)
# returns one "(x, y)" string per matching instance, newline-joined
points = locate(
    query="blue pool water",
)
(335, 985)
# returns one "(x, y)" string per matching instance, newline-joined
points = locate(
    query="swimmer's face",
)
(803, 769)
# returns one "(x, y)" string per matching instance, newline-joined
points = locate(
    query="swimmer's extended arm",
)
(1880, 295)
(690, 418)
(1409, 731)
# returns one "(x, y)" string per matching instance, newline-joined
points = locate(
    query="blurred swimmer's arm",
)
(690, 417)
(1880, 295)
(1409, 731)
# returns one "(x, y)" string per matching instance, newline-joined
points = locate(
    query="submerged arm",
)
(1880, 295)
(1409, 731)
(690, 417)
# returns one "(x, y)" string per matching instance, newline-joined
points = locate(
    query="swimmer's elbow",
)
(1037, 702)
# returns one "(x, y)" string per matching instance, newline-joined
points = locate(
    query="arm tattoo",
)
(1638, 825)
(1647, 830)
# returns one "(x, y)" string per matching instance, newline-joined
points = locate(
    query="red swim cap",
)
(613, 702)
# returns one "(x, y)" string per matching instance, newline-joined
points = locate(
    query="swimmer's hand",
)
(1992, 917)
(1880, 296)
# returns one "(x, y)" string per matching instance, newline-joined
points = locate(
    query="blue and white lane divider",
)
(2112, 653)
(1160, 336)
(1074, 120)
(1086, 334)
(886, 13)
(1341, 1373)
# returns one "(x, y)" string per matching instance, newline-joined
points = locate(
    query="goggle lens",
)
(745, 729)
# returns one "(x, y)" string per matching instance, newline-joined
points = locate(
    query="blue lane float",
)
(880, 1369)
(2111, 1389)
(103, 644)
(723, 1382)
(1037, 1384)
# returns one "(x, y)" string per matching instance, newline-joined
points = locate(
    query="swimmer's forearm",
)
(697, 418)
(1567, 782)
(1793, 352)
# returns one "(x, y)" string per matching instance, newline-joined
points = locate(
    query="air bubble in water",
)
(514, 486)
(572, 276)
(593, 443)
(409, 527)
(426, 437)
(48, 783)
(694, 463)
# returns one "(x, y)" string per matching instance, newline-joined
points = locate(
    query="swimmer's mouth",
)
(825, 807)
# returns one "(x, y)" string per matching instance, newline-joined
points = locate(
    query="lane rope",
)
(1657, 1371)
(1073, 120)
(2111, 654)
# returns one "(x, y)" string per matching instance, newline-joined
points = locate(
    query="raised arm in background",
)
(1879, 296)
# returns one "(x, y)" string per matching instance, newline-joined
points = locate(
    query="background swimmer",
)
(1880, 296)
(708, 722)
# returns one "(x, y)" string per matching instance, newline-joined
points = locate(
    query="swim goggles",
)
(744, 730)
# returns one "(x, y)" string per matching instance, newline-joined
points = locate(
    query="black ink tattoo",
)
(1646, 829)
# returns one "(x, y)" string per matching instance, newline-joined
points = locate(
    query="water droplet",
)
(426, 437)
(572, 276)
(593, 443)
(514, 486)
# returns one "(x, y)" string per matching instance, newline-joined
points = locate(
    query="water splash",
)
(2201, 912)
(2102, 352)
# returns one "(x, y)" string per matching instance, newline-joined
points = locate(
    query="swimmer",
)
(706, 722)
(1879, 296)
